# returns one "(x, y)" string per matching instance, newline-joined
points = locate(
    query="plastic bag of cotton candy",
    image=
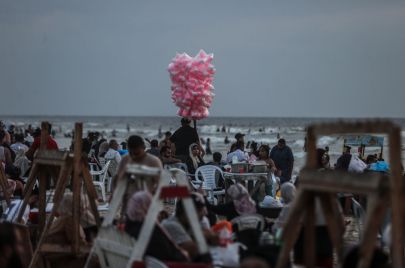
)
(192, 87)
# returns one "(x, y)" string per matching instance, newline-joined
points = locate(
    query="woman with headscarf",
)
(269, 181)
(61, 231)
(62, 228)
(287, 192)
(160, 244)
(322, 159)
(241, 203)
(194, 159)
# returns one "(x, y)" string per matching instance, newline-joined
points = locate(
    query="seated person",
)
(287, 192)
(61, 229)
(180, 230)
(154, 148)
(160, 246)
(237, 152)
(166, 156)
(137, 155)
(194, 159)
(114, 156)
(264, 155)
(241, 203)
(270, 202)
(217, 161)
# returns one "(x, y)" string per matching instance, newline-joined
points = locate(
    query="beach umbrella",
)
(192, 79)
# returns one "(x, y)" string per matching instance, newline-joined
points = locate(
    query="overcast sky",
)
(273, 58)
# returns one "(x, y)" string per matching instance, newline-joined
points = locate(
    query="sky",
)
(273, 58)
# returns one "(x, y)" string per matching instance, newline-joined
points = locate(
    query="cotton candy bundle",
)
(192, 84)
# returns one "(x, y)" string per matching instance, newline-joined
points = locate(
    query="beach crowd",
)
(252, 181)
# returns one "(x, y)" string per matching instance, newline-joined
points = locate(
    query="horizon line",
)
(220, 116)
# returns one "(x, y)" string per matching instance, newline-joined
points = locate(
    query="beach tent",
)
(363, 141)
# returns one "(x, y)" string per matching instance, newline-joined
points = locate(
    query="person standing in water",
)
(208, 147)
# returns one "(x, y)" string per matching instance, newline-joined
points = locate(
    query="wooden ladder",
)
(130, 250)
(66, 164)
(383, 191)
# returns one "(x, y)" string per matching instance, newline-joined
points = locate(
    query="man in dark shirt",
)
(182, 138)
(284, 160)
(88, 142)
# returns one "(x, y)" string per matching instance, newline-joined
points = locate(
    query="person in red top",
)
(51, 144)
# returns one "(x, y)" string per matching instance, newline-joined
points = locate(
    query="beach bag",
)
(356, 165)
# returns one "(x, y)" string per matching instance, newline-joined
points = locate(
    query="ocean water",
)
(260, 129)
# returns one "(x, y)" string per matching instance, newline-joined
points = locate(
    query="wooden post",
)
(42, 179)
(77, 158)
(397, 197)
(309, 234)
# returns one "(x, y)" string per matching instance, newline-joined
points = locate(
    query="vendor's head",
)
(287, 192)
(138, 205)
(136, 147)
(185, 121)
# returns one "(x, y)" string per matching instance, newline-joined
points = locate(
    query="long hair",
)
(195, 159)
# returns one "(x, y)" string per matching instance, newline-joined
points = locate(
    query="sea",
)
(263, 130)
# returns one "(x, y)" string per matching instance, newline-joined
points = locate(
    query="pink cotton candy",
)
(192, 84)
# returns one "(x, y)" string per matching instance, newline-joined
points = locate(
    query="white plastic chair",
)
(359, 216)
(99, 178)
(208, 174)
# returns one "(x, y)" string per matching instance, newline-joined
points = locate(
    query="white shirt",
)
(114, 155)
(241, 155)
(18, 146)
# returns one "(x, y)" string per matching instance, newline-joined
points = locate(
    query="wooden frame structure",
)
(115, 247)
(382, 191)
(66, 163)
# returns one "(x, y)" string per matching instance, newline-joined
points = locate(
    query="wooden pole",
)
(76, 186)
(42, 179)
(397, 197)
